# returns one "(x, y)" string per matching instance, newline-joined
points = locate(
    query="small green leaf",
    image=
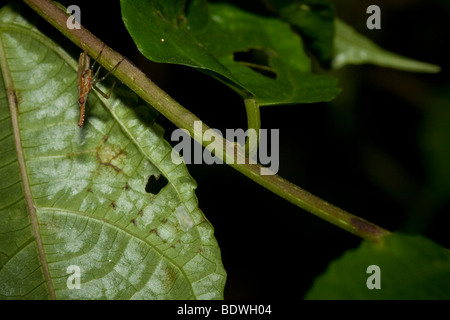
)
(257, 56)
(353, 48)
(410, 267)
(79, 197)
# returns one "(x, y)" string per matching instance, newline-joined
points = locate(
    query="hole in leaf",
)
(257, 60)
(155, 184)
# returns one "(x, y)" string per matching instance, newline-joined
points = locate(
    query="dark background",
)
(364, 152)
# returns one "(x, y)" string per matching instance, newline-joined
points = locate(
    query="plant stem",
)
(253, 123)
(137, 81)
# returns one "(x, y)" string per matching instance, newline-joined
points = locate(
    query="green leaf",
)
(315, 21)
(257, 56)
(411, 267)
(77, 197)
(353, 48)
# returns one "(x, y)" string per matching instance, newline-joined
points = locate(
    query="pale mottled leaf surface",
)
(87, 187)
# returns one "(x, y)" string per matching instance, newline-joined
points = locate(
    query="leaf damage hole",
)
(155, 184)
(257, 60)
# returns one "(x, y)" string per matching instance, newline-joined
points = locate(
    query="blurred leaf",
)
(256, 56)
(411, 267)
(77, 197)
(352, 47)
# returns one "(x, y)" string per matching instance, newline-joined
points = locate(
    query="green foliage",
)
(72, 196)
(256, 56)
(411, 267)
(314, 20)
(353, 48)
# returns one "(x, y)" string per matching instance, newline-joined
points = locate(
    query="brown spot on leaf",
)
(13, 98)
(107, 164)
(109, 155)
(170, 275)
(155, 231)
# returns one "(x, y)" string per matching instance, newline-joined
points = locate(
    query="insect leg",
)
(99, 54)
(109, 72)
(106, 95)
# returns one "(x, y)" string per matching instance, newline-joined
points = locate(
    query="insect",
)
(87, 80)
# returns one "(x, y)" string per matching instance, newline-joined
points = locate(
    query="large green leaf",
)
(410, 267)
(351, 47)
(77, 197)
(257, 56)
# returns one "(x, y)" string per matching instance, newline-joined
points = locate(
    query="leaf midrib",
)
(13, 106)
